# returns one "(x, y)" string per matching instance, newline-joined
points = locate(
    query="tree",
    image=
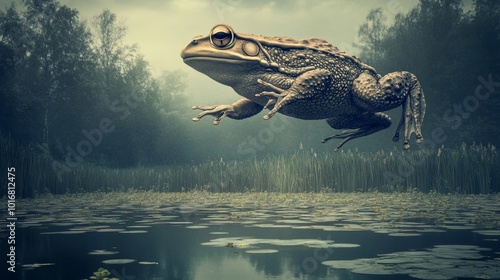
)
(50, 62)
(448, 49)
(60, 81)
(144, 108)
(371, 35)
(111, 53)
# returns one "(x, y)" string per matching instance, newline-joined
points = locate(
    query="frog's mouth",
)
(212, 59)
(207, 64)
(234, 58)
(227, 71)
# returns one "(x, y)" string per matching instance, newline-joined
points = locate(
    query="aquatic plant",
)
(87, 213)
(469, 169)
(395, 214)
(102, 274)
(399, 215)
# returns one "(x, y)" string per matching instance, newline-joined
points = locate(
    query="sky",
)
(161, 28)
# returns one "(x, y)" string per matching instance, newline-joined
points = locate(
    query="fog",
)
(160, 29)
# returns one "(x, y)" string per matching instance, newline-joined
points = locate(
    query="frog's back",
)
(293, 55)
(319, 45)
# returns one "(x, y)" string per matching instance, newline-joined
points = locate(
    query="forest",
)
(76, 97)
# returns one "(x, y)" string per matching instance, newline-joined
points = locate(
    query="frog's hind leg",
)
(357, 126)
(392, 90)
(413, 112)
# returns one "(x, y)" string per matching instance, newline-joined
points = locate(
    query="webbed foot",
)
(240, 109)
(217, 111)
(358, 126)
(412, 116)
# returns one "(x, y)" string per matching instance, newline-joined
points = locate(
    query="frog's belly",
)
(319, 108)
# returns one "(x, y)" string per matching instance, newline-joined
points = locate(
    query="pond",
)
(200, 235)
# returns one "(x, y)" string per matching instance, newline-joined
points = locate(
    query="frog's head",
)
(224, 55)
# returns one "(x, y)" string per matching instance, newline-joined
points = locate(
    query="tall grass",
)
(466, 169)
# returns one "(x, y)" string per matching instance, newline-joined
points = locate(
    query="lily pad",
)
(118, 261)
(148, 263)
(110, 230)
(36, 265)
(103, 252)
(431, 275)
(440, 262)
(139, 226)
(488, 232)
(64, 232)
(404, 234)
(343, 245)
(261, 251)
(133, 231)
(272, 226)
(197, 227)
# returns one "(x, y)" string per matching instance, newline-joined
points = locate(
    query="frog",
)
(307, 79)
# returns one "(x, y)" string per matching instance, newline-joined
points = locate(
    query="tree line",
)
(454, 52)
(75, 92)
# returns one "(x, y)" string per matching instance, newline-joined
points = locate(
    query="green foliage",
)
(448, 49)
(371, 35)
(102, 274)
(468, 169)
(60, 76)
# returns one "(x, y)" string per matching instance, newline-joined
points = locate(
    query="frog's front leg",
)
(306, 85)
(240, 109)
(391, 91)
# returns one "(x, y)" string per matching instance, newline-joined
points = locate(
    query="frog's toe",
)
(347, 135)
(217, 111)
(267, 116)
(271, 94)
(406, 145)
(413, 113)
(204, 108)
(269, 103)
(358, 126)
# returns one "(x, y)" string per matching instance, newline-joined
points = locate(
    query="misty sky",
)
(162, 28)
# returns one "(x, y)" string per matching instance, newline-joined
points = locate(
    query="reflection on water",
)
(259, 236)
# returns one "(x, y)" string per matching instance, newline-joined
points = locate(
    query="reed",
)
(468, 169)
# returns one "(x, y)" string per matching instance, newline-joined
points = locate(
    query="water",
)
(259, 236)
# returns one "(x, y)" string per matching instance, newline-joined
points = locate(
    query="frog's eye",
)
(222, 36)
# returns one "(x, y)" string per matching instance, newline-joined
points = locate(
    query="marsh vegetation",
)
(466, 170)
